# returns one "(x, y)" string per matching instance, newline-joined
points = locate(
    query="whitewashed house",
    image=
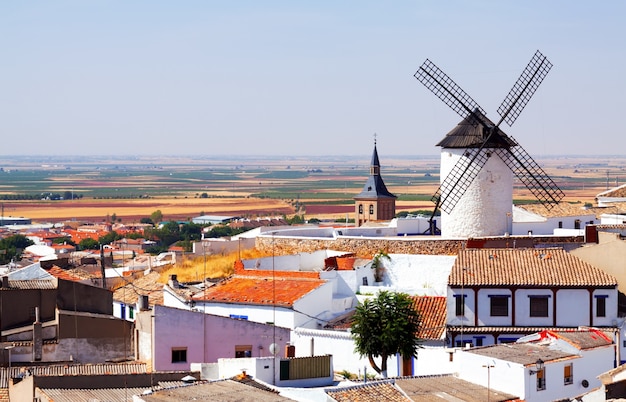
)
(288, 299)
(546, 366)
(562, 219)
(612, 196)
(499, 295)
(432, 358)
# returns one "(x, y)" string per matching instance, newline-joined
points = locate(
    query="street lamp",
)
(488, 367)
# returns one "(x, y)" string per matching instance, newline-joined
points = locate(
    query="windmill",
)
(479, 160)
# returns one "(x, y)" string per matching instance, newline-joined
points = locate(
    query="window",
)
(131, 312)
(577, 224)
(371, 210)
(243, 351)
(560, 224)
(538, 306)
(541, 379)
(479, 340)
(568, 374)
(360, 208)
(601, 306)
(460, 304)
(239, 317)
(122, 311)
(365, 281)
(463, 343)
(179, 355)
(499, 306)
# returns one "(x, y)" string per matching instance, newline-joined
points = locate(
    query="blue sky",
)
(300, 78)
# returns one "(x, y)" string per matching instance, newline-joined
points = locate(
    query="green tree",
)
(384, 326)
(89, 244)
(156, 216)
(109, 237)
(191, 231)
(11, 247)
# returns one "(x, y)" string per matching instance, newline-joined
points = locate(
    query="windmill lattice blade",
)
(532, 175)
(458, 180)
(524, 88)
(448, 91)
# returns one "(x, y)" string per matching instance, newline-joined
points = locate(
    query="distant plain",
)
(182, 187)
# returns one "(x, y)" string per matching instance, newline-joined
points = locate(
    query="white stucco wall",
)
(572, 306)
(485, 208)
(339, 344)
(263, 314)
(484, 308)
(418, 274)
(522, 308)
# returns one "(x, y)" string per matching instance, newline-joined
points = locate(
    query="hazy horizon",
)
(208, 78)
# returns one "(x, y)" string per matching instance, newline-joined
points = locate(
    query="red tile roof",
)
(433, 315)
(617, 192)
(373, 391)
(61, 273)
(260, 290)
(581, 339)
(526, 267)
(242, 271)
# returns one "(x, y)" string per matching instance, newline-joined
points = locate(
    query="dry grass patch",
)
(217, 266)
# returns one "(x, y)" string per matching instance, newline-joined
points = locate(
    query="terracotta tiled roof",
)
(260, 290)
(450, 388)
(372, 391)
(73, 369)
(222, 390)
(31, 284)
(560, 209)
(582, 339)
(433, 314)
(617, 192)
(525, 267)
(525, 354)
(64, 274)
(146, 285)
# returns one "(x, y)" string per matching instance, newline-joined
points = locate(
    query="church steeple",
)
(374, 202)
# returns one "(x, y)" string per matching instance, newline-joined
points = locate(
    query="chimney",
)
(173, 282)
(5, 282)
(37, 338)
(290, 350)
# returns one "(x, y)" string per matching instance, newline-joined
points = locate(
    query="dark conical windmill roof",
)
(467, 134)
(375, 186)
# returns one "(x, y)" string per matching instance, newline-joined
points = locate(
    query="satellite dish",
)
(274, 349)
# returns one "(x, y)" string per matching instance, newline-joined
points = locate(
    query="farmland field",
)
(95, 188)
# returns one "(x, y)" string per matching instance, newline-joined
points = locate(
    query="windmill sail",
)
(448, 91)
(458, 180)
(512, 154)
(528, 171)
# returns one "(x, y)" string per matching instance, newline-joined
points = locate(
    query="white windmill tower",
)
(478, 160)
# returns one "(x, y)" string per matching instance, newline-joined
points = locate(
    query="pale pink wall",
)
(208, 337)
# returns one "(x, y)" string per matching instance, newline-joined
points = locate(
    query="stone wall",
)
(368, 247)
(362, 247)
